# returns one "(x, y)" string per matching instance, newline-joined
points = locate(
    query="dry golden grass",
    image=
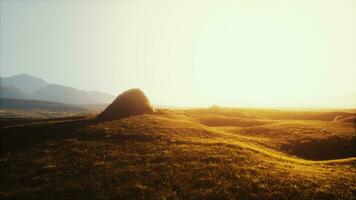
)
(178, 155)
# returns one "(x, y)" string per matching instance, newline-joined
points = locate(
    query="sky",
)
(248, 53)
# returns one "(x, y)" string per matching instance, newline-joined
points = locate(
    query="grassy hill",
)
(181, 154)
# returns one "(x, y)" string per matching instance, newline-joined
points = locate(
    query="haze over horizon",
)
(189, 53)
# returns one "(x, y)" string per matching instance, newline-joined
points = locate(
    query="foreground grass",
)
(169, 156)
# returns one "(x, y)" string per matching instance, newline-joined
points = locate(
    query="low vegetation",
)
(181, 154)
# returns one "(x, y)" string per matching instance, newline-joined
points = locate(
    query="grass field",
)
(216, 153)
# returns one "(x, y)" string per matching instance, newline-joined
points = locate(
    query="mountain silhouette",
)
(65, 94)
(25, 82)
(28, 87)
(9, 91)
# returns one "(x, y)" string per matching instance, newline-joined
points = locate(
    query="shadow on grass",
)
(323, 149)
(17, 137)
(23, 136)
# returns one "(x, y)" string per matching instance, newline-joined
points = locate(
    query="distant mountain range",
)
(20, 104)
(26, 87)
(24, 82)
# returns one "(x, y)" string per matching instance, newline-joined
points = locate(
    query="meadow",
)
(215, 153)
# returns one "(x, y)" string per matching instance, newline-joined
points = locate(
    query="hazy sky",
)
(189, 53)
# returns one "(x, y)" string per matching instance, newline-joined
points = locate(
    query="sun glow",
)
(191, 53)
(252, 57)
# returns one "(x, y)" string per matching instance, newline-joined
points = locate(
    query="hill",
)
(129, 103)
(28, 87)
(64, 94)
(176, 154)
(9, 91)
(25, 82)
(39, 105)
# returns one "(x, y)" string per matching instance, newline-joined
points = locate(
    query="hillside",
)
(25, 82)
(64, 94)
(28, 87)
(175, 154)
(8, 91)
(39, 105)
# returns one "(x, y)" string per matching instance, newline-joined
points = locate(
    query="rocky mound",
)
(129, 103)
